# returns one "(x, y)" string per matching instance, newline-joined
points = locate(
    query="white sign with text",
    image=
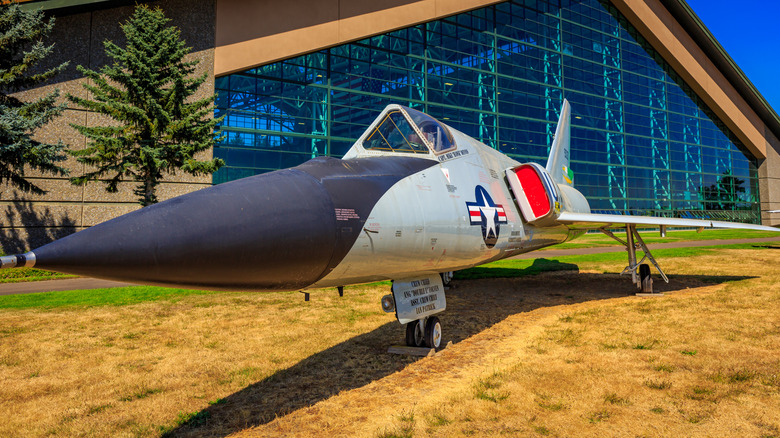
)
(417, 298)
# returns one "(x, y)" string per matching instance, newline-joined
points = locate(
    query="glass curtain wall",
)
(642, 141)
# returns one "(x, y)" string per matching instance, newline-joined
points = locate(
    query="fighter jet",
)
(412, 201)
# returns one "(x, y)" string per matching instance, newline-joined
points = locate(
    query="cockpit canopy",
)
(403, 129)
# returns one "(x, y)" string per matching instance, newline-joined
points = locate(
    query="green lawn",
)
(116, 296)
(122, 296)
(29, 274)
(592, 240)
(522, 267)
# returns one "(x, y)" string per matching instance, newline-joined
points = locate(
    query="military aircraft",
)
(412, 201)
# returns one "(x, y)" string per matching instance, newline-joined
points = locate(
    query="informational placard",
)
(417, 298)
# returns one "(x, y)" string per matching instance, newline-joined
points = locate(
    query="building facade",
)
(642, 141)
(663, 123)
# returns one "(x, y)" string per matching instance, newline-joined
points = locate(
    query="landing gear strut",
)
(424, 332)
(640, 272)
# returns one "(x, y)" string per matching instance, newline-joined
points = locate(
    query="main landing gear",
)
(640, 272)
(424, 332)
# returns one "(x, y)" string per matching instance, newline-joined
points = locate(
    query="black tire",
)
(646, 281)
(433, 332)
(446, 278)
(414, 335)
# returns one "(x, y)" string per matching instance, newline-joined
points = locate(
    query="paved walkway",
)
(30, 287)
(94, 283)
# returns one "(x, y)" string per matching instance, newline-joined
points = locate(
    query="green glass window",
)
(642, 141)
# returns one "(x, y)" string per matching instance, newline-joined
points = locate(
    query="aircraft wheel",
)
(414, 334)
(446, 277)
(645, 279)
(433, 332)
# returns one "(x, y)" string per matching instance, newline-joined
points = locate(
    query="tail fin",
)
(558, 162)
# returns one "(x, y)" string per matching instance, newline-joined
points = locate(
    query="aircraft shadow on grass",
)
(472, 306)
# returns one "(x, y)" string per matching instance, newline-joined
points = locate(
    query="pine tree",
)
(147, 91)
(21, 49)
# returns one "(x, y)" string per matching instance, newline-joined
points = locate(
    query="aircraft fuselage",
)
(422, 225)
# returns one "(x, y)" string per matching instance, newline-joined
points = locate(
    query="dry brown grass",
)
(557, 355)
(136, 370)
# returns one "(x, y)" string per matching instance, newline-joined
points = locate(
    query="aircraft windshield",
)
(395, 134)
(437, 135)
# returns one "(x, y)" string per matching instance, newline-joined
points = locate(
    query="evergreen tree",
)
(147, 91)
(21, 49)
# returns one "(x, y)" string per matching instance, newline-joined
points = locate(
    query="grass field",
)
(29, 274)
(593, 239)
(586, 241)
(548, 354)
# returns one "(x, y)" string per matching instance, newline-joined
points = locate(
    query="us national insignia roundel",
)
(486, 213)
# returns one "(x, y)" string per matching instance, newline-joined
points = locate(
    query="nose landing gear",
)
(415, 301)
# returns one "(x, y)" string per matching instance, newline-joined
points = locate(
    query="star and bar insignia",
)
(488, 214)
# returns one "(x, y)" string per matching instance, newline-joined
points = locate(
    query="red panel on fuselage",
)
(534, 190)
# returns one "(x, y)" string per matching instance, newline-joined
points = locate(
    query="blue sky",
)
(749, 30)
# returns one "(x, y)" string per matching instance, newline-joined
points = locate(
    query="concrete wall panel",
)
(769, 183)
(22, 239)
(58, 190)
(97, 213)
(22, 214)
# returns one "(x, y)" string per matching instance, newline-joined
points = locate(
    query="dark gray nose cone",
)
(268, 232)
(282, 230)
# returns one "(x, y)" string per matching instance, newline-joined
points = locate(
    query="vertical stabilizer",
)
(558, 162)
